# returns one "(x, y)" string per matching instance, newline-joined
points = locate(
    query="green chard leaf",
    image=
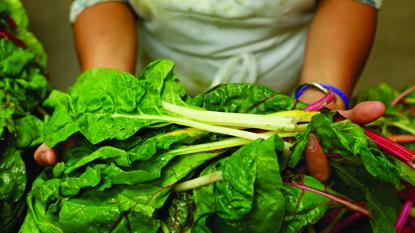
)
(244, 98)
(29, 131)
(12, 175)
(23, 87)
(349, 141)
(127, 194)
(249, 194)
(179, 213)
(381, 197)
(107, 104)
(304, 207)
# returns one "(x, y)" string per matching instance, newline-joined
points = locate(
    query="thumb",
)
(316, 161)
(364, 112)
(45, 156)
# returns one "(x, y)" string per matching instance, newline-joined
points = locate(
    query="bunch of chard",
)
(398, 125)
(150, 158)
(23, 88)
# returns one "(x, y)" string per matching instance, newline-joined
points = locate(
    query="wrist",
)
(312, 91)
(312, 95)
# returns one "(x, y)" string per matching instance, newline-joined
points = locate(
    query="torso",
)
(228, 40)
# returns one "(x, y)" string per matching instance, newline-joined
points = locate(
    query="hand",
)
(47, 156)
(316, 161)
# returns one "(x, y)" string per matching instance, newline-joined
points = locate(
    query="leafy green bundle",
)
(23, 88)
(149, 158)
(398, 124)
(399, 119)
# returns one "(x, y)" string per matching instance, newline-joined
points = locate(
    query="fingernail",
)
(312, 141)
(344, 113)
(43, 157)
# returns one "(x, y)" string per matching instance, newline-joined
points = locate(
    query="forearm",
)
(338, 44)
(106, 36)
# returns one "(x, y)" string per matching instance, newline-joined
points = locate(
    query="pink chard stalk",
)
(321, 103)
(406, 209)
(343, 201)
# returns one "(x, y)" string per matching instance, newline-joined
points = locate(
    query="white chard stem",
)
(198, 182)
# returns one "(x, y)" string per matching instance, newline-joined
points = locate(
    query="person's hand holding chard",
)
(338, 45)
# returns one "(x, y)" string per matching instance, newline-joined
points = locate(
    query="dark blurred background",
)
(392, 59)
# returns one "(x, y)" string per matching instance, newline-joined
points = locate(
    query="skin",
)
(338, 44)
(339, 41)
(316, 161)
(109, 42)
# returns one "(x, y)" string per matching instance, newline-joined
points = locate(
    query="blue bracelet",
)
(336, 90)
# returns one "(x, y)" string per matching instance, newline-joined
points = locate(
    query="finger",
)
(364, 112)
(45, 156)
(316, 161)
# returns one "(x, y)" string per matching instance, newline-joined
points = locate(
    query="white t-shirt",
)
(223, 41)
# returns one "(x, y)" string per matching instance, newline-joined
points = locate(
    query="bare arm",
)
(338, 45)
(106, 36)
